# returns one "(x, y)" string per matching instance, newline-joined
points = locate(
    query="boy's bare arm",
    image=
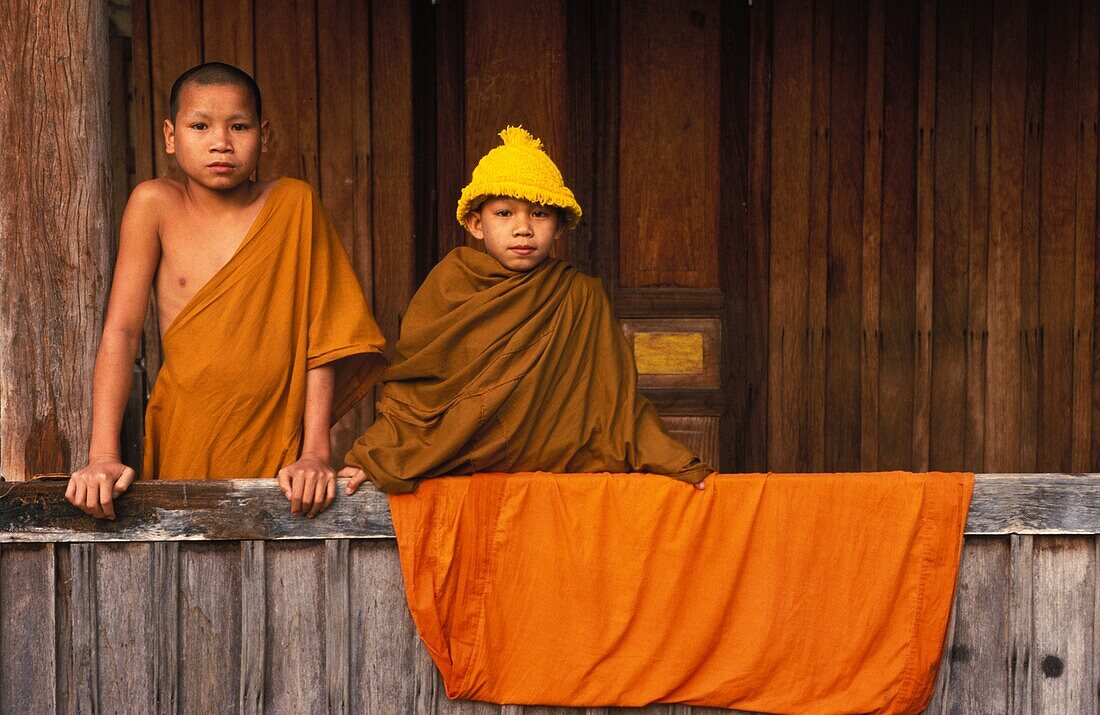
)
(310, 483)
(93, 487)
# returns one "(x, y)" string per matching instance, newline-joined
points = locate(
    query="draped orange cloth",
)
(230, 396)
(825, 593)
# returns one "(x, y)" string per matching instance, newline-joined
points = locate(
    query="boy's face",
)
(217, 137)
(518, 233)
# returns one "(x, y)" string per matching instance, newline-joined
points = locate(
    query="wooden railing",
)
(210, 596)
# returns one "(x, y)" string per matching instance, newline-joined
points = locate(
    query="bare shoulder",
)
(155, 198)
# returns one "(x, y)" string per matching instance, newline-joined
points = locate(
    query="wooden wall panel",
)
(848, 64)
(227, 33)
(788, 441)
(668, 170)
(1087, 228)
(289, 82)
(209, 626)
(1057, 188)
(27, 666)
(950, 257)
(1005, 244)
(901, 279)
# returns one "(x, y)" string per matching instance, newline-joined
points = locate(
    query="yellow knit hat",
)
(520, 169)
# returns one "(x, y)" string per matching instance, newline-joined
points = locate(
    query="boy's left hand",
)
(309, 484)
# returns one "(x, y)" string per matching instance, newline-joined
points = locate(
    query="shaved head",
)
(214, 73)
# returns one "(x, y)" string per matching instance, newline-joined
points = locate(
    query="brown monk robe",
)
(504, 371)
(230, 396)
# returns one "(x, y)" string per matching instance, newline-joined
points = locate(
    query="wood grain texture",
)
(1007, 132)
(975, 679)
(85, 629)
(897, 286)
(977, 333)
(842, 340)
(253, 627)
(870, 316)
(1028, 441)
(227, 34)
(185, 511)
(1063, 659)
(54, 228)
(295, 677)
(342, 68)
(818, 245)
(337, 625)
(383, 639)
(1086, 225)
(1020, 623)
(949, 254)
(127, 639)
(209, 627)
(926, 202)
(392, 238)
(451, 171)
(289, 85)
(668, 170)
(28, 656)
(788, 411)
(250, 509)
(162, 609)
(63, 620)
(744, 358)
(1056, 230)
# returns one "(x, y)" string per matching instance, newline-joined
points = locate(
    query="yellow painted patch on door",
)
(668, 353)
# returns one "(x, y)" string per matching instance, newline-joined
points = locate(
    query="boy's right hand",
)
(358, 476)
(93, 488)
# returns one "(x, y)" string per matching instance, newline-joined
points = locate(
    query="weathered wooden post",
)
(54, 227)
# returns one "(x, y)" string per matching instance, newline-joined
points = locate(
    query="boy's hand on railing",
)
(309, 484)
(93, 488)
(358, 476)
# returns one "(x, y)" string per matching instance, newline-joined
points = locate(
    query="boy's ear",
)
(169, 137)
(265, 134)
(473, 225)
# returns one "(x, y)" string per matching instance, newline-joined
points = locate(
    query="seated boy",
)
(511, 360)
(266, 336)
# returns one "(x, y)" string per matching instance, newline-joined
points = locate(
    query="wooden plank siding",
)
(902, 278)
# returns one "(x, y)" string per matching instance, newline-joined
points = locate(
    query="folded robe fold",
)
(773, 593)
(498, 370)
(230, 396)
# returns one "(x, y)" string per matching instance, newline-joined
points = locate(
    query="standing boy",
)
(266, 336)
(510, 360)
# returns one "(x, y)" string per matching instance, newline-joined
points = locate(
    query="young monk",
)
(510, 360)
(266, 336)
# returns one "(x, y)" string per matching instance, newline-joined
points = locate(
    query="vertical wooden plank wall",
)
(974, 194)
(895, 225)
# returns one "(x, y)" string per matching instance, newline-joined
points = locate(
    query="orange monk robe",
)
(230, 396)
(818, 593)
(504, 371)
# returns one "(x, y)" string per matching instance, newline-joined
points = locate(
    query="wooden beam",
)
(243, 509)
(55, 228)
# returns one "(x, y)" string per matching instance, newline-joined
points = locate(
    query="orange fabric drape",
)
(821, 593)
